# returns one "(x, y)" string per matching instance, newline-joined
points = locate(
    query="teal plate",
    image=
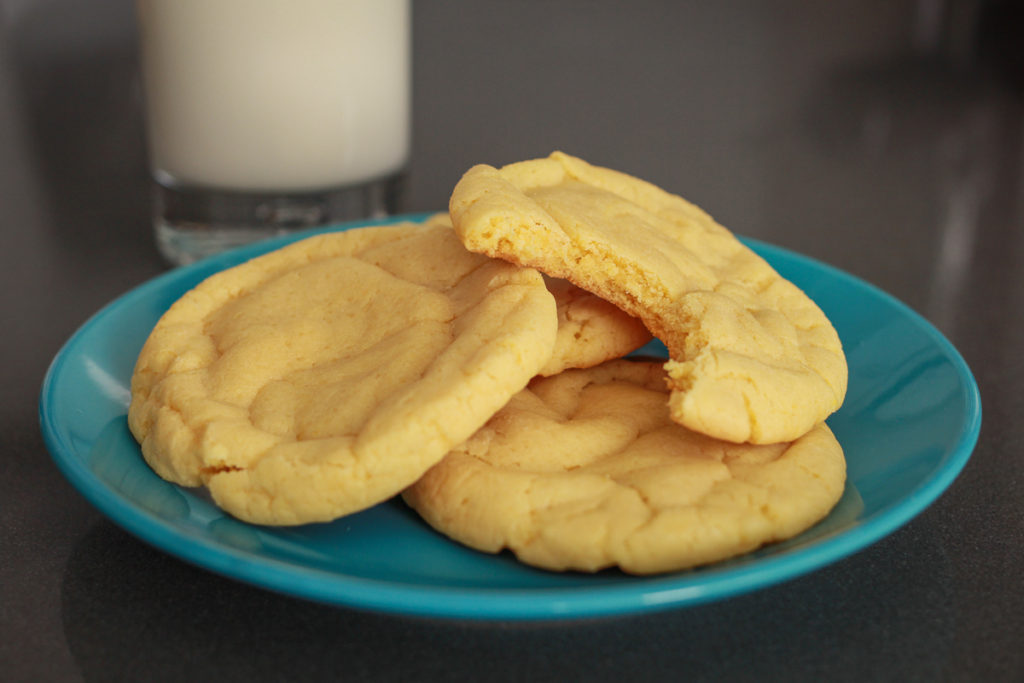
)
(908, 426)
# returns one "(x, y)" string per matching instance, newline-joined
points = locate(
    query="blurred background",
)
(822, 115)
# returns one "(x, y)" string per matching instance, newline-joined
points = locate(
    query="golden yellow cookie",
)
(590, 329)
(324, 377)
(586, 470)
(753, 359)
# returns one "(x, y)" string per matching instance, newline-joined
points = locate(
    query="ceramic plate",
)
(910, 421)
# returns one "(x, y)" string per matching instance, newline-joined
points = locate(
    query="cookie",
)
(590, 329)
(752, 358)
(322, 378)
(586, 470)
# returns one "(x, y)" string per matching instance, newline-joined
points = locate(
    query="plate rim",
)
(638, 594)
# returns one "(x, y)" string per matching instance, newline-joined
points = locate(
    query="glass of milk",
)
(265, 116)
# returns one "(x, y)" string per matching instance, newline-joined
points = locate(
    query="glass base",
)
(193, 223)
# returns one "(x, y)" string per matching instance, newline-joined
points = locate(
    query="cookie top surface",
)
(753, 359)
(322, 378)
(586, 470)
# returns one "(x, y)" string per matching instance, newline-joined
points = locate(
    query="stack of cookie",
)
(474, 364)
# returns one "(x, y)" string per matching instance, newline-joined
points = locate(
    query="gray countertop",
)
(877, 137)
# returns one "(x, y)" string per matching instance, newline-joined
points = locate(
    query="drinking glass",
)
(266, 116)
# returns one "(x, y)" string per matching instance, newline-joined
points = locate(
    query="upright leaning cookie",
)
(322, 378)
(585, 470)
(753, 359)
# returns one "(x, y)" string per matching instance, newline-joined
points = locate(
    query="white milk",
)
(268, 95)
